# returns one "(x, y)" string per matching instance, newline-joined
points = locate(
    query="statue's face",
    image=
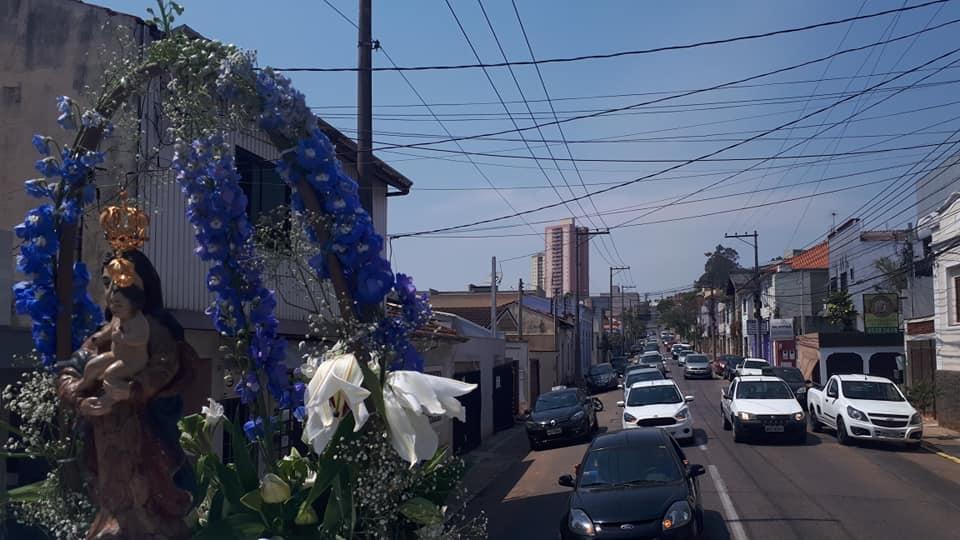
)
(119, 304)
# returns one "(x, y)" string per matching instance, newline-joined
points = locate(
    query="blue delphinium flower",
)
(42, 144)
(65, 108)
(253, 428)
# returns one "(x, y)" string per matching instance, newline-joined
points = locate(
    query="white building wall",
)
(946, 268)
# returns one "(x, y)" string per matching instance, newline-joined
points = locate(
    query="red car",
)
(720, 364)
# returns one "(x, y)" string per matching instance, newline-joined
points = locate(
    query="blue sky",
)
(661, 255)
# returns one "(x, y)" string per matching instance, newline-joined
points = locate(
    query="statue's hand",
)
(77, 361)
(117, 392)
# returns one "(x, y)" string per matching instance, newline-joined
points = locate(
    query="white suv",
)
(759, 405)
(658, 404)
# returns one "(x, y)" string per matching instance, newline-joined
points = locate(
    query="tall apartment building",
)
(562, 253)
(538, 272)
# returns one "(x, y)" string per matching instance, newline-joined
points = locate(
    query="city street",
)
(757, 490)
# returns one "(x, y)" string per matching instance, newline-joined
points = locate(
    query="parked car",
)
(601, 377)
(720, 364)
(640, 374)
(567, 413)
(697, 366)
(619, 363)
(682, 356)
(864, 407)
(762, 405)
(658, 404)
(676, 348)
(751, 366)
(730, 370)
(651, 347)
(633, 484)
(794, 379)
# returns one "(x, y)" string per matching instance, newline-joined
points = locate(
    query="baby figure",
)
(128, 333)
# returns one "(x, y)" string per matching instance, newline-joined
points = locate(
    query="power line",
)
(619, 54)
(685, 94)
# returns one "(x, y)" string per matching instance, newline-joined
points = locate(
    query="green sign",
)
(881, 313)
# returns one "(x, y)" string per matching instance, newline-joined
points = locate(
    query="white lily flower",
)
(409, 396)
(334, 388)
(213, 414)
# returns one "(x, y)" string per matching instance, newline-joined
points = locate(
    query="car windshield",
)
(555, 400)
(651, 359)
(755, 364)
(653, 395)
(792, 375)
(697, 359)
(631, 465)
(763, 390)
(600, 369)
(736, 362)
(872, 390)
(637, 376)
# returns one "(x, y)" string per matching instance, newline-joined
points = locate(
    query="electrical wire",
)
(619, 54)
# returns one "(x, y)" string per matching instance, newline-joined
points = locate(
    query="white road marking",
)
(733, 520)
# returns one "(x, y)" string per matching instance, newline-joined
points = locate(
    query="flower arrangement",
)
(371, 466)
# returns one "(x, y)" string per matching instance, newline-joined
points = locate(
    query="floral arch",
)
(375, 469)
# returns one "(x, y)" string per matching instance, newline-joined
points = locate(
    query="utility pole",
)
(493, 296)
(577, 233)
(757, 315)
(365, 47)
(610, 331)
(520, 309)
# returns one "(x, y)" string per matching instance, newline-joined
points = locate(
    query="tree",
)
(716, 271)
(680, 313)
(840, 310)
(894, 271)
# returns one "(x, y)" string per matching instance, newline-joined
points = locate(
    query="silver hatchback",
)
(697, 366)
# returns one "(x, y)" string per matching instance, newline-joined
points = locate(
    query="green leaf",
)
(19, 455)
(216, 507)
(28, 493)
(333, 515)
(421, 511)
(233, 527)
(252, 500)
(229, 482)
(245, 467)
(436, 460)
(12, 429)
(372, 383)
(325, 476)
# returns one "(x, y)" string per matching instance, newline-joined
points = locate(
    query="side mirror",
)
(688, 399)
(695, 470)
(567, 480)
(725, 395)
(620, 404)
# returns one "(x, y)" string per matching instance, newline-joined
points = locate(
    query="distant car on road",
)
(654, 359)
(658, 404)
(794, 379)
(651, 347)
(697, 366)
(760, 405)
(864, 407)
(682, 356)
(619, 363)
(640, 374)
(752, 366)
(601, 377)
(567, 413)
(633, 484)
(720, 364)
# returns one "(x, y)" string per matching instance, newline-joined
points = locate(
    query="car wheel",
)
(842, 436)
(738, 434)
(726, 421)
(815, 425)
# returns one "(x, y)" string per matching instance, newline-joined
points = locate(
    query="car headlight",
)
(627, 417)
(580, 523)
(916, 419)
(798, 417)
(682, 414)
(678, 515)
(746, 416)
(856, 414)
(577, 416)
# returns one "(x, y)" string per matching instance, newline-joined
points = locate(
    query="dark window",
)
(264, 188)
(843, 282)
(833, 284)
(851, 276)
(956, 298)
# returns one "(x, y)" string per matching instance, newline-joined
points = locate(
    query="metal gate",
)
(921, 364)
(534, 380)
(504, 396)
(467, 435)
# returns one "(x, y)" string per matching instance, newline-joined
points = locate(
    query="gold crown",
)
(125, 228)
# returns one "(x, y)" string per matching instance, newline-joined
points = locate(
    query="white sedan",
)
(658, 404)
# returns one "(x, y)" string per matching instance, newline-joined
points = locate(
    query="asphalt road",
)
(757, 490)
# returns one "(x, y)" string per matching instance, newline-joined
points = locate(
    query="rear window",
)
(788, 374)
(755, 364)
(600, 368)
(639, 376)
(697, 359)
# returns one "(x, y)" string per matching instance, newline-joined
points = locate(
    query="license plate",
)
(773, 429)
(889, 433)
(554, 431)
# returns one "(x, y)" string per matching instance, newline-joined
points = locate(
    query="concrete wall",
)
(946, 320)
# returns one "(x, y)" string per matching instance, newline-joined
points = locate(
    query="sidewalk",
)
(942, 441)
(494, 456)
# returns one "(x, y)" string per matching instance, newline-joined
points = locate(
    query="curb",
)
(932, 448)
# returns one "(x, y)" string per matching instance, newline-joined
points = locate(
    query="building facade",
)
(566, 249)
(945, 247)
(538, 272)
